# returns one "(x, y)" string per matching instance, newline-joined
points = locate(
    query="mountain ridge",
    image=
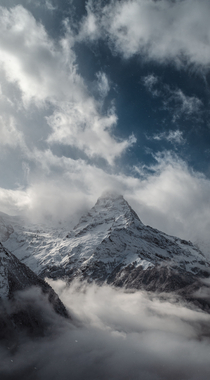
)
(110, 244)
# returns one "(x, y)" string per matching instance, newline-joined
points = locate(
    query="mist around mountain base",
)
(114, 334)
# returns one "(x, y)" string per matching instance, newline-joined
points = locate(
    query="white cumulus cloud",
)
(162, 31)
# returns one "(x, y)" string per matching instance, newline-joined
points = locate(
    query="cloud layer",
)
(44, 74)
(46, 105)
(115, 335)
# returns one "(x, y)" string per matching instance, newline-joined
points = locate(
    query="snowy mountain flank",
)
(109, 244)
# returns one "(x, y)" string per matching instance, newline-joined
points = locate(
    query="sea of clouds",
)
(113, 334)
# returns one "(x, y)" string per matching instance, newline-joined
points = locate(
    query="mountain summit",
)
(111, 212)
(110, 244)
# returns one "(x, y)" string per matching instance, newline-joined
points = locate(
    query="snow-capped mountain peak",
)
(111, 244)
(112, 211)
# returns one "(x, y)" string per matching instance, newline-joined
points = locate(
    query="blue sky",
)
(99, 95)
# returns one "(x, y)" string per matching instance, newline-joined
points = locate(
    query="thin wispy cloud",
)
(103, 84)
(174, 100)
(150, 82)
(174, 137)
(180, 104)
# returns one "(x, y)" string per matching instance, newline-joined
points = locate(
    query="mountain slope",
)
(19, 313)
(36, 245)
